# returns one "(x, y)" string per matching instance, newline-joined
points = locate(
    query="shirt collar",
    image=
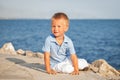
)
(53, 38)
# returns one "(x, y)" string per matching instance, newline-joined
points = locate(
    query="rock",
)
(40, 55)
(8, 48)
(119, 71)
(104, 69)
(20, 51)
(30, 54)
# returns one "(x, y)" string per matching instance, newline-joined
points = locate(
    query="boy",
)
(59, 52)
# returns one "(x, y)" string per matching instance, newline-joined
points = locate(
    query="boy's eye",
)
(59, 26)
(56, 26)
(53, 26)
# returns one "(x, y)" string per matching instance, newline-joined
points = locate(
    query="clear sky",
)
(44, 9)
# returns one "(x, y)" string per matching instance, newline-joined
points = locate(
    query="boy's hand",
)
(75, 73)
(52, 72)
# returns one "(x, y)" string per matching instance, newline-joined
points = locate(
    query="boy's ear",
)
(66, 28)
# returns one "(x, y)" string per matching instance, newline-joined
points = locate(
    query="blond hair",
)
(61, 15)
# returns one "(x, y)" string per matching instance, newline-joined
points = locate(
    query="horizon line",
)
(50, 18)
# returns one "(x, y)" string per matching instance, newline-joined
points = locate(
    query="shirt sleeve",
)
(46, 46)
(71, 47)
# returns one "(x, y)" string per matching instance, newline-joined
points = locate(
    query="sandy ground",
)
(17, 67)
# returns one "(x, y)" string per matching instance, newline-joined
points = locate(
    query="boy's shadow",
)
(35, 66)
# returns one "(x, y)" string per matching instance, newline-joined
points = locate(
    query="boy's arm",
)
(75, 64)
(47, 63)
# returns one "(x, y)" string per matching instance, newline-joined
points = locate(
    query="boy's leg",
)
(64, 67)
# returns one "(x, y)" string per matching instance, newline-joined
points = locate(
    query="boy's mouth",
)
(55, 32)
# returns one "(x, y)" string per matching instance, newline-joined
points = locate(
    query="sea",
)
(93, 39)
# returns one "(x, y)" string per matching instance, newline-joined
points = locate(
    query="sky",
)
(75, 9)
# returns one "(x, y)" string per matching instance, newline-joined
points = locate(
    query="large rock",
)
(8, 48)
(104, 69)
(32, 68)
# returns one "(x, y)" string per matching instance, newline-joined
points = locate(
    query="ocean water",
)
(93, 39)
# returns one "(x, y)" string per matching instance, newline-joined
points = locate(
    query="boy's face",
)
(59, 27)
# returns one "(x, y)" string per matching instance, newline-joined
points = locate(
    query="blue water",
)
(93, 39)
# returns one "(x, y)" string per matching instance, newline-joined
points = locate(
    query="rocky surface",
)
(102, 68)
(8, 48)
(28, 65)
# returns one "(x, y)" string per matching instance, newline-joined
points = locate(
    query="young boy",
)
(59, 52)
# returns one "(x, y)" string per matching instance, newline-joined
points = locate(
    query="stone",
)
(20, 51)
(8, 48)
(104, 69)
(40, 55)
(30, 54)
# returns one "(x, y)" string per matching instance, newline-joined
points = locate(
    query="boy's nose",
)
(56, 28)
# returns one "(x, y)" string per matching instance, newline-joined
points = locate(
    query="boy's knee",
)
(82, 63)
